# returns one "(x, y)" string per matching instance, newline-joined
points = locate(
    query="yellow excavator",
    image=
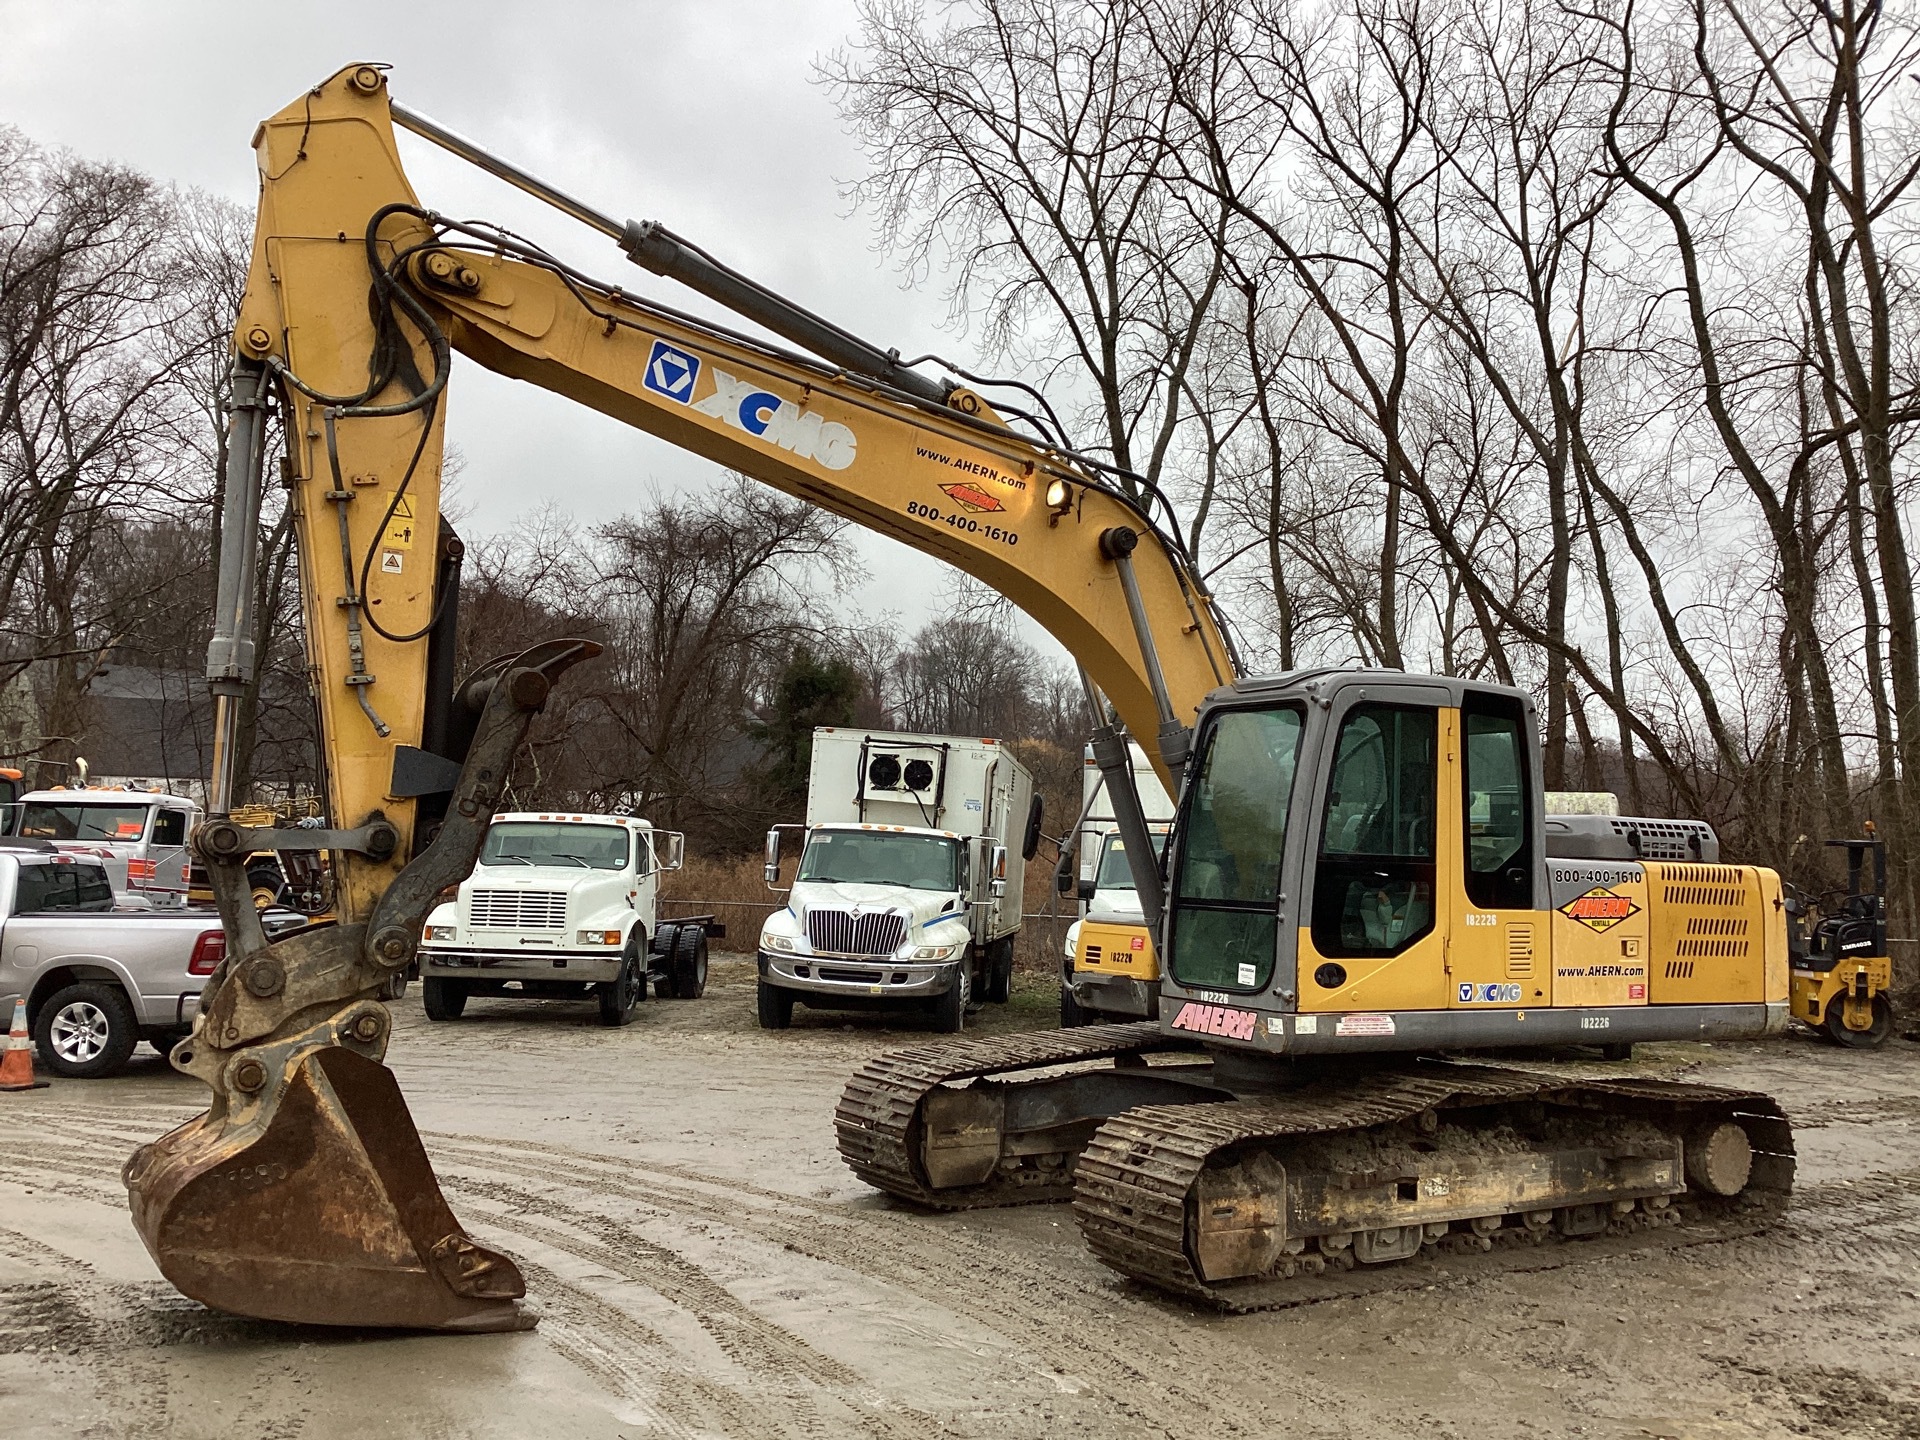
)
(1361, 876)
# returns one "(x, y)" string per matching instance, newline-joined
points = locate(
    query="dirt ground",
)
(705, 1266)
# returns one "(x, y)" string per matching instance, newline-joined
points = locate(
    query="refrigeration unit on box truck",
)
(909, 887)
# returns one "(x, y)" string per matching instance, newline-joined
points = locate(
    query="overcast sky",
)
(699, 114)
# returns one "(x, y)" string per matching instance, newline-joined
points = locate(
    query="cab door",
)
(1381, 878)
(1501, 947)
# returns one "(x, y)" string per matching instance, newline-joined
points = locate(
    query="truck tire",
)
(776, 1006)
(1072, 1013)
(443, 999)
(998, 986)
(660, 959)
(689, 965)
(950, 1009)
(85, 1031)
(620, 996)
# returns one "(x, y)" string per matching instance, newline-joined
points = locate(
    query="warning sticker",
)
(392, 562)
(1599, 909)
(1364, 1025)
(399, 533)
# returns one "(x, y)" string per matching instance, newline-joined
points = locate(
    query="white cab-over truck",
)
(139, 835)
(909, 887)
(564, 907)
(1110, 970)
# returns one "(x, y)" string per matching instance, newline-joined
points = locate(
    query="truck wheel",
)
(1835, 1025)
(950, 1009)
(998, 988)
(443, 999)
(690, 963)
(85, 1031)
(1072, 1013)
(776, 1006)
(660, 959)
(619, 997)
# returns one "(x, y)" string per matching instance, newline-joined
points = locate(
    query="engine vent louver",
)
(518, 910)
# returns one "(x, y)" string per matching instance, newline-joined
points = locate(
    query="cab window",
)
(55, 887)
(1227, 876)
(1373, 883)
(1499, 841)
(169, 827)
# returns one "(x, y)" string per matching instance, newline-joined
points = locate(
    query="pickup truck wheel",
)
(999, 978)
(86, 1031)
(776, 1006)
(619, 997)
(443, 999)
(950, 1009)
(690, 963)
(1072, 1013)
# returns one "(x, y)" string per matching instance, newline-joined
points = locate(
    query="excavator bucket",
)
(321, 1208)
(304, 1193)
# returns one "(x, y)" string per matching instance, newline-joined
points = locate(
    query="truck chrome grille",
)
(838, 932)
(518, 910)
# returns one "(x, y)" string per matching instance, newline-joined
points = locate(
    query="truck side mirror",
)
(773, 859)
(1065, 874)
(1084, 890)
(997, 868)
(669, 849)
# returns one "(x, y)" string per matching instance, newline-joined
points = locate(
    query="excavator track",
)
(1149, 1176)
(881, 1120)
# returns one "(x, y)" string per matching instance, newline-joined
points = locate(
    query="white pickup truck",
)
(97, 979)
(905, 896)
(564, 907)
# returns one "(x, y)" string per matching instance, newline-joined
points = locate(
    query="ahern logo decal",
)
(1599, 909)
(676, 374)
(971, 497)
(1215, 1020)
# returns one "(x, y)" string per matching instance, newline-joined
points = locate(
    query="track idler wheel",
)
(307, 1196)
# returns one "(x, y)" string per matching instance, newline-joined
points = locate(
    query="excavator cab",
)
(1842, 971)
(1358, 845)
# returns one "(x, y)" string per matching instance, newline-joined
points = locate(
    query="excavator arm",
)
(304, 1193)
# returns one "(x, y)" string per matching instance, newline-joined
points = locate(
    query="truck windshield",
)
(525, 842)
(1115, 872)
(51, 820)
(869, 857)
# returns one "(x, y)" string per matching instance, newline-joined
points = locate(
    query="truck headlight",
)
(775, 942)
(599, 937)
(441, 932)
(935, 952)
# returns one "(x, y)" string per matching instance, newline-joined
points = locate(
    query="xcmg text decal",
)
(678, 374)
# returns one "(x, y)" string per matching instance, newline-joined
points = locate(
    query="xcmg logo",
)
(677, 374)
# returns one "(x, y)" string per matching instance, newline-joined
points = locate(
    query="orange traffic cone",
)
(16, 1061)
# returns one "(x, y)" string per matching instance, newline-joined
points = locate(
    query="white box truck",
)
(909, 887)
(562, 907)
(1110, 970)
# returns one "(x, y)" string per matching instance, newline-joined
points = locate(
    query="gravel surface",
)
(705, 1266)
